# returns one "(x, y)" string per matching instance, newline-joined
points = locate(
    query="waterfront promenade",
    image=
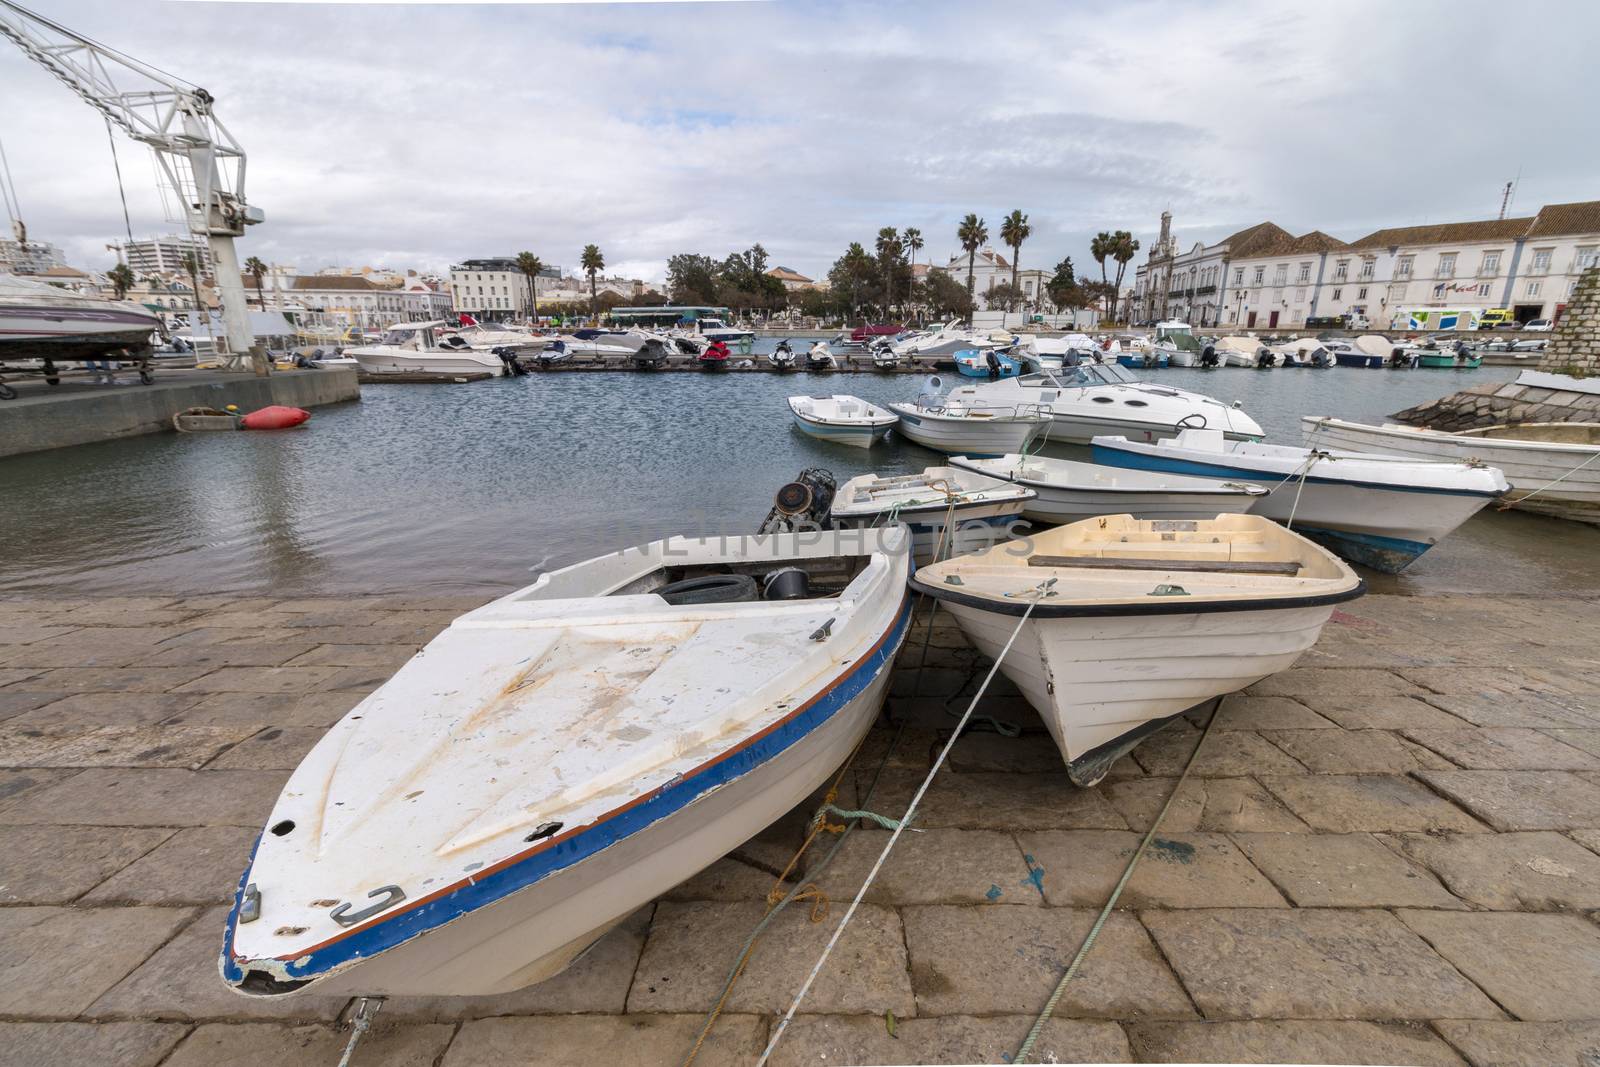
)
(1390, 853)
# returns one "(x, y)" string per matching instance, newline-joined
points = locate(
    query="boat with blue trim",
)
(949, 510)
(842, 419)
(1382, 511)
(563, 755)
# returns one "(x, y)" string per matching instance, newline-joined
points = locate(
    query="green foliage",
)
(972, 233)
(854, 279)
(1005, 296)
(692, 279)
(943, 295)
(1014, 230)
(530, 265)
(121, 279)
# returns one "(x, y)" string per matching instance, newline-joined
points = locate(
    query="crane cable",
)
(116, 164)
(8, 192)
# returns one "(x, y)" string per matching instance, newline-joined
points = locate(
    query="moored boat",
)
(412, 348)
(967, 427)
(1067, 491)
(949, 510)
(1553, 467)
(1136, 622)
(1383, 511)
(563, 755)
(845, 420)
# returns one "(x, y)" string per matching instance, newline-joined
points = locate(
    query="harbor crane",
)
(198, 158)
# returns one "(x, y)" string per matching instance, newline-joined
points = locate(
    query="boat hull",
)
(966, 436)
(1358, 359)
(1056, 504)
(855, 436)
(441, 364)
(49, 332)
(976, 527)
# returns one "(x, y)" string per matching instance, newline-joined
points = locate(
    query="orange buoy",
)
(276, 417)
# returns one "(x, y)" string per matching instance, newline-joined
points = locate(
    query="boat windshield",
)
(398, 337)
(1081, 375)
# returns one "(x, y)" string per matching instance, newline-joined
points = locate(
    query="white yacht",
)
(40, 321)
(944, 341)
(717, 330)
(488, 336)
(413, 348)
(1086, 399)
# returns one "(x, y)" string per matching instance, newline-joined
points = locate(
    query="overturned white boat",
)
(1135, 622)
(1067, 491)
(948, 510)
(1383, 511)
(845, 420)
(1553, 467)
(559, 757)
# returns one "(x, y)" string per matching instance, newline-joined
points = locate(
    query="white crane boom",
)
(199, 158)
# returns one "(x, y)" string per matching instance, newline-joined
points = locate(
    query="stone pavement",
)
(1389, 854)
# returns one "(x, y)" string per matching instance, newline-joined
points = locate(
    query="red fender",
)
(276, 417)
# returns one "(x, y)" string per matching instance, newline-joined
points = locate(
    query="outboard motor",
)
(1399, 358)
(1149, 359)
(803, 503)
(1208, 356)
(1320, 358)
(1266, 357)
(508, 356)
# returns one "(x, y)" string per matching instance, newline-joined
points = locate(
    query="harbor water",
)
(464, 488)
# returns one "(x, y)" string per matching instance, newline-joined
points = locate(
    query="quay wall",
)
(38, 423)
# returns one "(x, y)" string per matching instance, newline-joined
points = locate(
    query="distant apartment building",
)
(491, 289)
(30, 257)
(1263, 277)
(164, 255)
(360, 302)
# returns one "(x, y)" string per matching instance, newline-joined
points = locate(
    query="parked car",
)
(1541, 325)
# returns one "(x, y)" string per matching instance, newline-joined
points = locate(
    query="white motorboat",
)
(966, 427)
(488, 337)
(1068, 491)
(1243, 352)
(1383, 511)
(1177, 341)
(413, 348)
(1053, 353)
(717, 330)
(563, 755)
(40, 321)
(821, 358)
(1304, 352)
(942, 342)
(948, 510)
(1136, 622)
(845, 420)
(1553, 467)
(1103, 398)
(595, 343)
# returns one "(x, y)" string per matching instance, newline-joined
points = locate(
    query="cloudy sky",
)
(414, 135)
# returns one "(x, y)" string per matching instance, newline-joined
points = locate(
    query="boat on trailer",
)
(1383, 511)
(948, 509)
(563, 755)
(1135, 622)
(845, 420)
(1067, 490)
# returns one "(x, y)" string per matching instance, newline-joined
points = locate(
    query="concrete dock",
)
(79, 411)
(1389, 854)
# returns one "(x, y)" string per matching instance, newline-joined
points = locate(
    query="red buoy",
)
(276, 417)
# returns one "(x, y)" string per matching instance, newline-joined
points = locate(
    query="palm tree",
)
(1123, 248)
(530, 265)
(191, 264)
(256, 269)
(889, 251)
(1103, 247)
(913, 239)
(121, 279)
(1014, 230)
(593, 262)
(972, 233)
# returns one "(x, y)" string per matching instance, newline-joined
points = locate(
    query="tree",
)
(1124, 246)
(691, 279)
(1064, 289)
(891, 253)
(914, 244)
(1014, 230)
(1101, 248)
(943, 295)
(191, 264)
(1005, 295)
(530, 265)
(592, 263)
(853, 275)
(742, 281)
(972, 233)
(257, 269)
(121, 279)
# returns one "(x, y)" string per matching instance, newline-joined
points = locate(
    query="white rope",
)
(1305, 470)
(360, 1025)
(905, 820)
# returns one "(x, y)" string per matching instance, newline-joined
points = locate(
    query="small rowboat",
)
(1068, 490)
(1136, 622)
(977, 510)
(845, 420)
(563, 755)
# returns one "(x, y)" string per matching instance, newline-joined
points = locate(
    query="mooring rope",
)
(1039, 592)
(360, 1025)
(1105, 913)
(1542, 488)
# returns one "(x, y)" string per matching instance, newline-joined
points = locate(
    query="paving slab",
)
(390, 657)
(87, 1044)
(1392, 712)
(1475, 680)
(1583, 740)
(736, 877)
(1345, 871)
(114, 746)
(88, 648)
(1589, 839)
(844, 1039)
(1079, 868)
(996, 801)
(14, 702)
(1521, 800)
(1299, 1041)
(1310, 684)
(986, 751)
(596, 982)
(116, 679)
(1540, 967)
(181, 982)
(28, 632)
(1355, 751)
(230, 654)
(1504, 1044)
(385, 1045)
(153, 797)
(1227, 753)
(17, 786)
(199, 865)
(1511, 710)
(1269, 713)
(647, 1040)
(932, 867)
(693, 945)
(997, 960)
(1342, 803)
(277, 748)
(260, 680)
(1540, 871)
(54, 962)
(55, 864)
(1244, 963)
(261, 710)
(1209, 804)
(83, 711)
(1505, 748)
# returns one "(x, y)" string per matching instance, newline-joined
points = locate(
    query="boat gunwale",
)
(1161, 606)
(1423, 433)
(1229, 489)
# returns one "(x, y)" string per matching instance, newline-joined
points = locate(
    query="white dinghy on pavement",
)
(563, 755)
(1068, 491)
(1144, 620)
(845, 420)
(977, 510)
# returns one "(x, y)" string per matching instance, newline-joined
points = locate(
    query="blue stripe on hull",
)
(1388, 554)
(1116, 457)
(666, 801)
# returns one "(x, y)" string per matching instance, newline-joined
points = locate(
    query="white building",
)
(30, 257)
(1208, 285)
(357, 301)
(164, 255)
(991, 269)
